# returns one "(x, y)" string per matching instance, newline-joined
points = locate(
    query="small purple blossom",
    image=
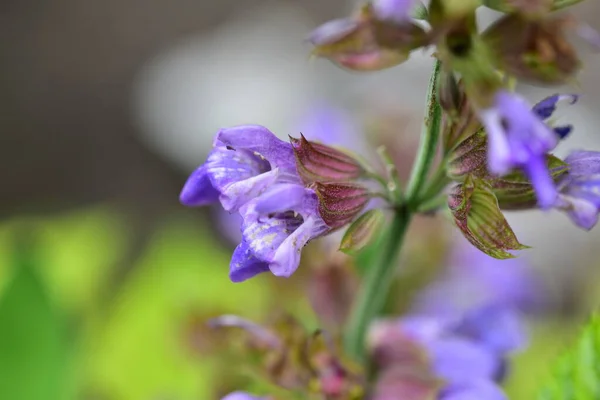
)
(393, 10)
(242, 396)
(253, 172)
(579, 190)
(474, 390)
(518, 137)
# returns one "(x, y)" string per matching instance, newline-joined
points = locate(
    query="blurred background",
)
(106, 107)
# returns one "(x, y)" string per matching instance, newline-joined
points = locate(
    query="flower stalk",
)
(379, 278)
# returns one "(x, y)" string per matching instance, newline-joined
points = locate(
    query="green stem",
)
(377, 284)
(429, 140)
(379, 277)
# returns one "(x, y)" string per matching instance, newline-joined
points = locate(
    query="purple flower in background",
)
(579, 189)
(475, 390)
(242, 396)
(393, 10)
(518, 137)
(473, 278)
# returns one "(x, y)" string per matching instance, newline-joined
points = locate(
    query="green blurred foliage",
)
(80, 320)
(576, 374)
(33, 351)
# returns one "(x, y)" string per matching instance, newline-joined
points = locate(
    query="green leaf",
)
(576, 374)
(33, 352)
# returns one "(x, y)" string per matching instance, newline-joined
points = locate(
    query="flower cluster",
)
(286, 194)
(496, 155)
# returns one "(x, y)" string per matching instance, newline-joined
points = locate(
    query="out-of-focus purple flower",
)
(251, 171)
(397, 11)
(518, 137)
(474, 390)
(242, 396)
(245, 161)
(473, 279)
(579, 190)
(460, 360)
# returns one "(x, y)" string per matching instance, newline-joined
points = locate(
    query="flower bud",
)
(364, 231)
(340, 203)
(533, 50)
(477, 214)
(366, 43)
(318, 162)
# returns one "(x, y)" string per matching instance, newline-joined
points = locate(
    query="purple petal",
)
(563, 131)
(475, 390)
(582, 212)
(423, 329)
(499, 157)
(461, 361)
(258, 332)
(393, 10)
(229, 224)
(262, 143)
(287, 257)
(265, 233)
(244, 265)
(238, 175)
(583, 163)
(332, 31)
(545, 108)
(497, 327)
(539, 175)
(281, 198)
(198, 190)
(242, 396)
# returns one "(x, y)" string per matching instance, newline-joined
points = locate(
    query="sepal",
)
(469, 157)
(362, 232)
(515, 192)
(340, 203)
(317, 162)
(477, 214)
(536, 51)
(365, 43)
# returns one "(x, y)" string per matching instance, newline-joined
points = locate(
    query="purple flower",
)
(474, 390)
(276, 226)
(579, 190)
(245, 161)
(242, 396)
(393, 10)
(519, 137)
(253, 172)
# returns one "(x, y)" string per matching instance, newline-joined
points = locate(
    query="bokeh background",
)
(106, 107)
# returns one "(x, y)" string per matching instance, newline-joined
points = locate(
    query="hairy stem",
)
(379, 277)
(376, 286)
(429, 141)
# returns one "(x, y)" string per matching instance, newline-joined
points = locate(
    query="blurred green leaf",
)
(139, 349)
(576, 374)
(33, 353)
